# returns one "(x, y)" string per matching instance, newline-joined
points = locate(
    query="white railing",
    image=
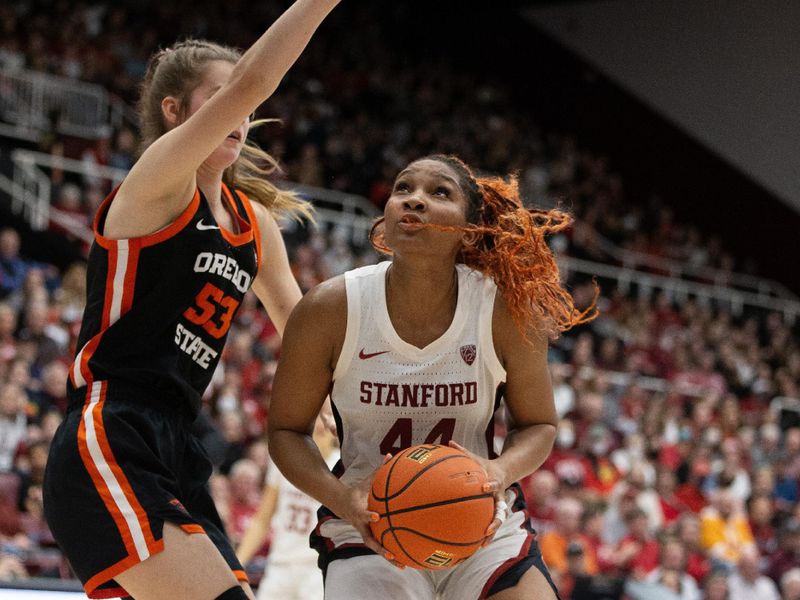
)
(680, 289)
(31, 193)
(31, 197)
(32, 102)
(675, 268)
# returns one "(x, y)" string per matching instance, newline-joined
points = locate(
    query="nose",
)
(414, 203)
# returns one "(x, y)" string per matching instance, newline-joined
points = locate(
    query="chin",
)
(222, 158)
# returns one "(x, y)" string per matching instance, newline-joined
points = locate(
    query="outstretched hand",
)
(495, 484)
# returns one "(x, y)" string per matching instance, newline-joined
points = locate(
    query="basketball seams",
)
(416, 476)
(435, 504)
(437, 540)
(400, 531)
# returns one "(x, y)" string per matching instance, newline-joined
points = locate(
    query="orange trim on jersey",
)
(90, 587)
(111, 273)
(88, 351)
(153, 238)
(191, 528)
(100, 484)
(114, 592)
(119, 475)
(130, 276)
(241, 576)
(251, 214)
(245, 228)
(123, 299)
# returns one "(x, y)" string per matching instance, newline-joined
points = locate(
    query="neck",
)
(427, 286)
(210, 183)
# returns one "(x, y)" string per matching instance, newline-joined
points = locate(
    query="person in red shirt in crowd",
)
(688, 532)
(600, 473)
(593, 527)
(690, 492)
(564, 460)
(245, 489)
(638, 552)
(541, 496)
(671, 505)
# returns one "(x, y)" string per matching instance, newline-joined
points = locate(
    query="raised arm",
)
(274, 284)
(163, 179)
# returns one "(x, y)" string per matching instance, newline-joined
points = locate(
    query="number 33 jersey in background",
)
(388, 394)
(159, 306)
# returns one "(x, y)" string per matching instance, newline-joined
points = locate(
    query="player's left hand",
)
(495, 484)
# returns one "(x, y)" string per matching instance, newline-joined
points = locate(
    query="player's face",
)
(427, 191)
(216, 74)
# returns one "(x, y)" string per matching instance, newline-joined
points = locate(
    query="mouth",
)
(235, 135)
(411, 219)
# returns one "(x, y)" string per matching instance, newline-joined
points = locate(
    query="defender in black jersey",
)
(175, 251)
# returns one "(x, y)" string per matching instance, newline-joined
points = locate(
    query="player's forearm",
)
(264, 65)
(300, 461)
(525, 450)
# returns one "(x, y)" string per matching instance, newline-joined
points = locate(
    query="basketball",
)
(433, 510)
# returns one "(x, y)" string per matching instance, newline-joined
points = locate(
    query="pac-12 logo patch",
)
(468, 353)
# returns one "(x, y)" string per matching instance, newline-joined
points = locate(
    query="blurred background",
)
(670, 130)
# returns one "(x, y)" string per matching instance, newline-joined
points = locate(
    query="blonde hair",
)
(176, 71)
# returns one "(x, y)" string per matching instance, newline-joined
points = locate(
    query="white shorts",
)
(302, 581)
(355, 573)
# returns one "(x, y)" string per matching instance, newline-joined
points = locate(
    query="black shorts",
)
(118, 468)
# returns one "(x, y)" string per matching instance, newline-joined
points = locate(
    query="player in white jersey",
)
(420, 350)
(291, 572)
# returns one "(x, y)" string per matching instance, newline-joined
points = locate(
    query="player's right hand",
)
(353, 509)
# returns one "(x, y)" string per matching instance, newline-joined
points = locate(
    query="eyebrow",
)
(442, 175)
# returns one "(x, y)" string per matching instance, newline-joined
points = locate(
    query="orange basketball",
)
(433, 510)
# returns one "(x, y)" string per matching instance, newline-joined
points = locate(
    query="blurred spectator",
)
(672, 560)
(688, 532)
(788, 555)
(747, 582)
(724, 529)
(13, 423)
(245, 493)
(790, 585)
(637, 553)
(554, 543)
(716, 586)
(541, 495)
(13, 267)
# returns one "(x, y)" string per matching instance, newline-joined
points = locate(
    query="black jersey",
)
(159, 307)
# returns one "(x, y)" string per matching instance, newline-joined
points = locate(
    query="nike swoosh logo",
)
(364, 356)
(202, 227)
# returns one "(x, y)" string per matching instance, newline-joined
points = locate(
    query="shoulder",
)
(325, 304)
(509, 339)
(260, 211)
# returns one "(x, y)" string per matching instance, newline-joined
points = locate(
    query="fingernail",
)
(487, 487)
(374, 518)
(389, 556)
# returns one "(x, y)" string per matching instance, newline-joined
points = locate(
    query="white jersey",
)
(388, 394)
(293, 521)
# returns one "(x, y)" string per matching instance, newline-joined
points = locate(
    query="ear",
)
(171, 110)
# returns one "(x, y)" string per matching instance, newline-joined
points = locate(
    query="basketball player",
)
(291, 570)
(420, 350)
(177, 246)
